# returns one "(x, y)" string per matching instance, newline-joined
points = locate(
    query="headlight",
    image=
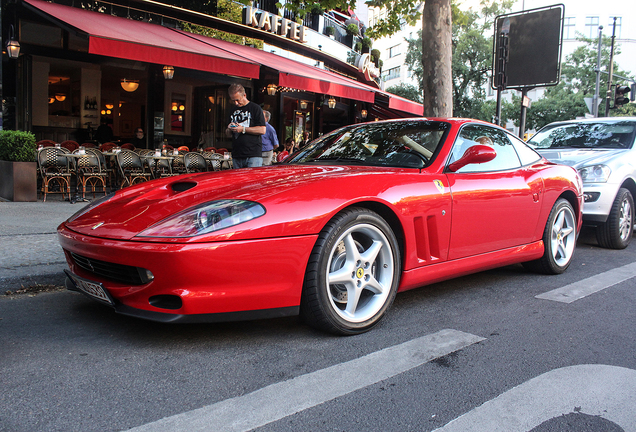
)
(92, 205)
(595, 173)
(206, 218)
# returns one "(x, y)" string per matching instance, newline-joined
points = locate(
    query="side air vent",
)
(182, 186)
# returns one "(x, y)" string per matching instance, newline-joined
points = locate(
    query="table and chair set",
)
(110, 166)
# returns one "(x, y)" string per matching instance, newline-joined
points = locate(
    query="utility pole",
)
(595, 100)
(611, 71)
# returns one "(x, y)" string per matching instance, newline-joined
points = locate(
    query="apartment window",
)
(391, 74)
(591, 27)
(618, 26)
(395, 51)
(568, 28)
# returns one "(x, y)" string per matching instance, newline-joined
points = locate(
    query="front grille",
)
(111, 271)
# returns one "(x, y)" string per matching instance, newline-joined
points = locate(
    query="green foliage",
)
(407, 91)
(367, 42)
(330, 31)
(565, 101)
(375, 53)
(17, 146)
(353, 29)
(230, 11)
(358, 46)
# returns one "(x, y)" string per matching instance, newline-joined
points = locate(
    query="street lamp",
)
(13, 46)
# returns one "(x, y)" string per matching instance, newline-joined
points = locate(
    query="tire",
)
(559, 240)
(617, 231)
(352, 275)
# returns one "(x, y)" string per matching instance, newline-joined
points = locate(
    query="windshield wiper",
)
(338, 159)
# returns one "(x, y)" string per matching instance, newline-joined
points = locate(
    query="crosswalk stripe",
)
(280, 400)
(591, 285)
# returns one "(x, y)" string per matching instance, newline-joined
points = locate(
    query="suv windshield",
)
(606, 135)
(410, 144)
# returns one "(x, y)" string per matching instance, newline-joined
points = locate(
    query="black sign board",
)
(527, 48)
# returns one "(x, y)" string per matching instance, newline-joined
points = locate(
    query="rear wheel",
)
(352, 274)
(559, 240)
(617, 231)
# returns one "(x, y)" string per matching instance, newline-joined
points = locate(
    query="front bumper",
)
(598, 210)
(222, 281)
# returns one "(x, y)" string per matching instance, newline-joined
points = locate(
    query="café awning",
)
(140, 41)
(297, 75)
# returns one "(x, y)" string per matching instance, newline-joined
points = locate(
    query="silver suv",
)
(603, 152)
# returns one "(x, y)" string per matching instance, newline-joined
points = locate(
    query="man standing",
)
(247, 125)
(270, 140)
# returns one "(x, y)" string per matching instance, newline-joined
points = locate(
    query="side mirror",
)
(474, 155)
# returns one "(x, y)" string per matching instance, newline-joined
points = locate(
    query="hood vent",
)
(183, 186)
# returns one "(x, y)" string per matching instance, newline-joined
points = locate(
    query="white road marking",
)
(585, 287)
(283, 399)
(596, 390)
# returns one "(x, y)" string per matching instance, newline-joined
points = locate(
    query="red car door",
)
(495, 205)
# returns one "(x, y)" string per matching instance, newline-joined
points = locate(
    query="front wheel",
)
(559, 240)
(352, 274)
(617, 231)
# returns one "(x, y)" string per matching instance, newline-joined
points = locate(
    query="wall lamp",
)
(363, 113)
(303, 104)
(168, 72)
(271, 89)
(331, 102)
(13, 46)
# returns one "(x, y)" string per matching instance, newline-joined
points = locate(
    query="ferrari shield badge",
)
(439, 185)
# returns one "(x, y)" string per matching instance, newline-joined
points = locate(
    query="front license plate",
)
(92, 289)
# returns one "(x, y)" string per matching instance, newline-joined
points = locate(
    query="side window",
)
(471, 135)
(526, 154)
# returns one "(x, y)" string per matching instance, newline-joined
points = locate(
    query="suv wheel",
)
(617, 231)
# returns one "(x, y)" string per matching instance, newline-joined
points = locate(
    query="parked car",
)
(354, 217)
(603, 151)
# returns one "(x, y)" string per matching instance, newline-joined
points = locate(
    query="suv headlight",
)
(595, 173)
(205, 218)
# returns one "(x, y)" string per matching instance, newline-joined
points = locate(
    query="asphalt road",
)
(478, 353)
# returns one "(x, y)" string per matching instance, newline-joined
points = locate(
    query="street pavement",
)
(29, 251)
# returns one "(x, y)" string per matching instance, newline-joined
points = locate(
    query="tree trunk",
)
(436, 58)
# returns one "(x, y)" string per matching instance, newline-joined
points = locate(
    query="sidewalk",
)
(29, 251)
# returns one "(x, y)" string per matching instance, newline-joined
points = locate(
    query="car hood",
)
(578, 158)
(282, 189)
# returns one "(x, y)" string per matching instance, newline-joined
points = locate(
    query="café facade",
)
(132, 64)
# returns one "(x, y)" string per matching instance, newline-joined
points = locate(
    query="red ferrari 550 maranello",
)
(334, 233)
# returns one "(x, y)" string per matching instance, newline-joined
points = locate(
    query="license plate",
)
(94, 290)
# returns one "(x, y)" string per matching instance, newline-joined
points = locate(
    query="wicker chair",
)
(70, 145)
(131, 168)
(194, 162)
(128, 146)
(213, 160)
(55, 170)
(89, 172)
(104, 166)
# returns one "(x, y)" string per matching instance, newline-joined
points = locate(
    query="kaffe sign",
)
(266, 21)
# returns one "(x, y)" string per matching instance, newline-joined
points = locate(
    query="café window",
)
(178, 109)
(177, 112)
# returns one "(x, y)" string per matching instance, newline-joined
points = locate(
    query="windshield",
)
(615, 135)
(410, 144)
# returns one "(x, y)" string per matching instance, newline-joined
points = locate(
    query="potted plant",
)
(330, 31)
(358, 47)
(18, 171)
(375, 57)
(366, 44)
(353, 29)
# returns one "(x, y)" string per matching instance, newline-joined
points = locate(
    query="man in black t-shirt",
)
(247, 124)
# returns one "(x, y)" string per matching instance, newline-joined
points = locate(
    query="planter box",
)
(19, 181)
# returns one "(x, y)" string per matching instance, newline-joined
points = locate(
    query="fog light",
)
(591, 196)
(149, 275)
